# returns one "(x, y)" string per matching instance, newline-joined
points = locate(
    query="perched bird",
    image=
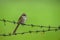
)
(21, 20)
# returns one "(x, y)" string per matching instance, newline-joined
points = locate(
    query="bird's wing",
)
(20, 19)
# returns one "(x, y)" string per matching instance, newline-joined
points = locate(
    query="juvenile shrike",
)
(21, 20)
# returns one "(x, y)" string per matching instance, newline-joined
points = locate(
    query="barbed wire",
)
(32, 25)
(37, 31)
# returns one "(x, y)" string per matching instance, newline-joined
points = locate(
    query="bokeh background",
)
(39, 12)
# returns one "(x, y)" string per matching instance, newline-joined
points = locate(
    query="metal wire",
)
(32, 25)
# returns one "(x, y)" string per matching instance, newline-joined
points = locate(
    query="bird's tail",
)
(16, 28)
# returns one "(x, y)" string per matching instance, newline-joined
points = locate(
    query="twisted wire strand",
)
(36, 31)
(32, 25)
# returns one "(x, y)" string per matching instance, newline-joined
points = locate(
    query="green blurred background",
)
(39, 12)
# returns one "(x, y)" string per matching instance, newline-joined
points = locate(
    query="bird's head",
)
(23, 14)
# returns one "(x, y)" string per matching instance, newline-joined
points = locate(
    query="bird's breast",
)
(23, 19)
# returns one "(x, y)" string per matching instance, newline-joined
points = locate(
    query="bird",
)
(21, 20)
